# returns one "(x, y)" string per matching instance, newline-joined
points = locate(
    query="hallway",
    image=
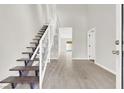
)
(77, 74)
(47, 34)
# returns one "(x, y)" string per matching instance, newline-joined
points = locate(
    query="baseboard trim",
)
(80, 59)
(105, 68)
(53, 58)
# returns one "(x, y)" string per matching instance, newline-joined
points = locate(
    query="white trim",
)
(92, 52)
(109, 70)
(92, 29)
(79, 58)
(53, 58)
(118, 37)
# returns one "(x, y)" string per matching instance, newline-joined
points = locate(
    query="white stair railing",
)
(45, 45)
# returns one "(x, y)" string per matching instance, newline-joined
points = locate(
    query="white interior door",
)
(91, 44)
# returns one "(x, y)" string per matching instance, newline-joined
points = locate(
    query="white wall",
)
(103, 17)
(18, 25)
(65, 32)
(75, 16)
(51, 14)
(51, 11)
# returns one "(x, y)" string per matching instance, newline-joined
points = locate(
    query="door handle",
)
(117, 42)
(115, 52)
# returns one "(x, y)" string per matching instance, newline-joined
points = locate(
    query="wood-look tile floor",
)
(77, 74)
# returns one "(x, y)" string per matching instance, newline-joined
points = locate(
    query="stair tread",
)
(45, 25)
(30, 47)
(23, 79)
(24, 59)
(27, 52)
(36, 39)
(38, 35)
(33, 42)
(41, 32)
(43, 29)
(27, 59)
(25, 68)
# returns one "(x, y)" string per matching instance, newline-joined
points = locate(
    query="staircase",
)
(23, 71)
(41, 47)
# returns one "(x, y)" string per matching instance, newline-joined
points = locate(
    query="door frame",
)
(63, 34)
(92, 30)
(119, 36)
(122, 44)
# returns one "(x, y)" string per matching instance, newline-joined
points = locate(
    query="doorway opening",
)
(65, 41)
(69, 46)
